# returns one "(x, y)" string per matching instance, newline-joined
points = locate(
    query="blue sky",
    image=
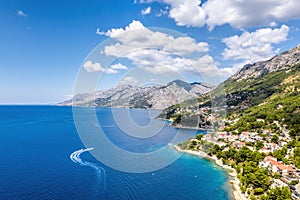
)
(44, 44)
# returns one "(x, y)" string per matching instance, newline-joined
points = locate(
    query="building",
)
(273, 166)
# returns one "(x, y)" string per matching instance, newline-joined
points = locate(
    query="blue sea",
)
(43, 157)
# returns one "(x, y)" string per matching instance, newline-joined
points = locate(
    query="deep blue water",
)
(36, 143)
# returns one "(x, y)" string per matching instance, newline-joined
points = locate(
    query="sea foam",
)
(100, 171)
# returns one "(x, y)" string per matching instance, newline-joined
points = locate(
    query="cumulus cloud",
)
(158, 52)
(243, 14)
(237, 13)
(146, 11)
(89, 66)
(187, 12)
(136, 35)
(21, 13)
(129, 80)
(250, 47)
(254, 46)
(110, 71)
(118, 66)
(93, 67)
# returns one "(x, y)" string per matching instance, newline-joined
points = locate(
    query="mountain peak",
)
(181, 83)
(283, 61)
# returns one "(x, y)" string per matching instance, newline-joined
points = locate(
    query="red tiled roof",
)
(284, 180)
(280, 166)
(269, 158)
(285, 167)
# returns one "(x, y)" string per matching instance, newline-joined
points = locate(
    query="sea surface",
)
(42, 157)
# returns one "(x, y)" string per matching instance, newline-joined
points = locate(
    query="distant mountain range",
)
(154, 97)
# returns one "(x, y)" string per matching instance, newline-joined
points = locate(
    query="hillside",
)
(155, 97)
(267, 90)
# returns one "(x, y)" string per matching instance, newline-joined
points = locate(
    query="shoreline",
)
(193, 128)
(208, 130)
(236, 192)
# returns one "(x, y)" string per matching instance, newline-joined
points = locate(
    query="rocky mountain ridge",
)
(280, 62)
(154, 97)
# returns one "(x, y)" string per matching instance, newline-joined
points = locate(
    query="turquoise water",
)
(36, 143)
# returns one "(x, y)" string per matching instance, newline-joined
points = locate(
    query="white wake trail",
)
(101, 174)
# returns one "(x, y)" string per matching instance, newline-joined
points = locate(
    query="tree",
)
(294, 182)
(277, 193)
(280, 154)
(293, 133)
(258, 191)
(275, 139)
(252, 197)
(276, 175)
(259, 145)
(199, 137)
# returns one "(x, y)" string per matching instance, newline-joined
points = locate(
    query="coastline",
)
(192, 128)
(236, 193)
(185, 127)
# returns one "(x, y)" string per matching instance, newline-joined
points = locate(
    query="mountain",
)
(284, 61)
(155, 97)
(269, 90)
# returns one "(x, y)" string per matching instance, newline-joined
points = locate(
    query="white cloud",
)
(96, 67)
(129, 80)
(273, 24)
(136, 35)
(254, 46)
(251, 47)
(184, 12)
(110, 71)
(183, 45)
(21, 13)
(146, 11)
(228, 71)
(162, 12)
(118, 66)
(237, 13)
(93, 67)
(242, 13)
(158, 52)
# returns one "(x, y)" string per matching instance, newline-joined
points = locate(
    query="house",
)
(266, 162)
(244, 136)
(253, 135)
(233, 138)
(272, 146)
(264, 150)
(221, 144)
(282, 143)
(258, 138)
(278, 183)
(272, 165)
(239, 144)
(222, 135)
(285, 170)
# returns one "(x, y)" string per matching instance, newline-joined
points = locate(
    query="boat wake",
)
(101, 174)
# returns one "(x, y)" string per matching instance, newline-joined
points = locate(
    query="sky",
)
(46, 45)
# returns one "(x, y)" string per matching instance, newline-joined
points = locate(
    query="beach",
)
(237, 193)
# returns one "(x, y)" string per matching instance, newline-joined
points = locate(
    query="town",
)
(276, 155)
